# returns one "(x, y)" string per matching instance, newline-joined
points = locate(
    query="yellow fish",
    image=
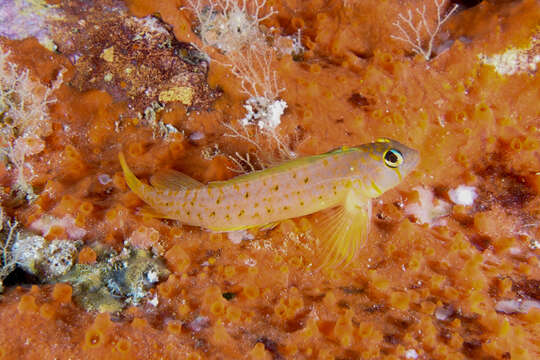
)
(341, 182)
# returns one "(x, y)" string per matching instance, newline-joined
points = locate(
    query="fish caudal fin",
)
(144, 191)
(131, 180)
(343, 230)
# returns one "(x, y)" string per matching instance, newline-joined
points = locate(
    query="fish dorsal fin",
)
(339, 150)
(174, 180)
(343, 230)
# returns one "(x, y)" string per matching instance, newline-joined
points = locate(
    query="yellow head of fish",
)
(372, 169)
(390, 162)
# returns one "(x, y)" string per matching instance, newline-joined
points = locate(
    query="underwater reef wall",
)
(450, 269)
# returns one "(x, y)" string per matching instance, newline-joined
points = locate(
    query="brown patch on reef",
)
(505, 193)
(136, 60)
(527, 287)
(503, 186)
(358, 99)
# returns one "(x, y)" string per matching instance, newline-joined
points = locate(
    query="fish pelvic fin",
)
(343, 230)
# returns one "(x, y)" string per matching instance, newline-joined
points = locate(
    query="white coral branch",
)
(253, 67)
(234, 27)
(413, 33)
(243, 163)
(9, 237)
(230, 25)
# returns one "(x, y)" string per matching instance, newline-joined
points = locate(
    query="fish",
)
(338, 184)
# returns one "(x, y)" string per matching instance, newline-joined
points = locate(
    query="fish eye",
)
(392, 158)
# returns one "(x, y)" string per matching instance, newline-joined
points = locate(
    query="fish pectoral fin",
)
(174, 180)
(342, 231)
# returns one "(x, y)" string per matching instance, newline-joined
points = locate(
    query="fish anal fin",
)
(228, 229)
(174, 180)
(343, 230)
(148, 211)
(264, 227)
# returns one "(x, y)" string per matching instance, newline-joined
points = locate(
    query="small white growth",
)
(514, 60)
(263, 112)
(160, 128)
(58, 257)
(154, 301)
(411, 354)
(229, 25)
(28, 250)
(429, 210)
(152, 276)
(463, 195)
(150, 26)
(529, 304)
(197, 135)
(40, 257)
(443, 313)
(508, 306)
(199, 323)
(291, 45)
(46, 222)
(104, 179)
(516, 306)
(236, 237)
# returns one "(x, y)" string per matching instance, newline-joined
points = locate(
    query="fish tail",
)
(137, 186)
